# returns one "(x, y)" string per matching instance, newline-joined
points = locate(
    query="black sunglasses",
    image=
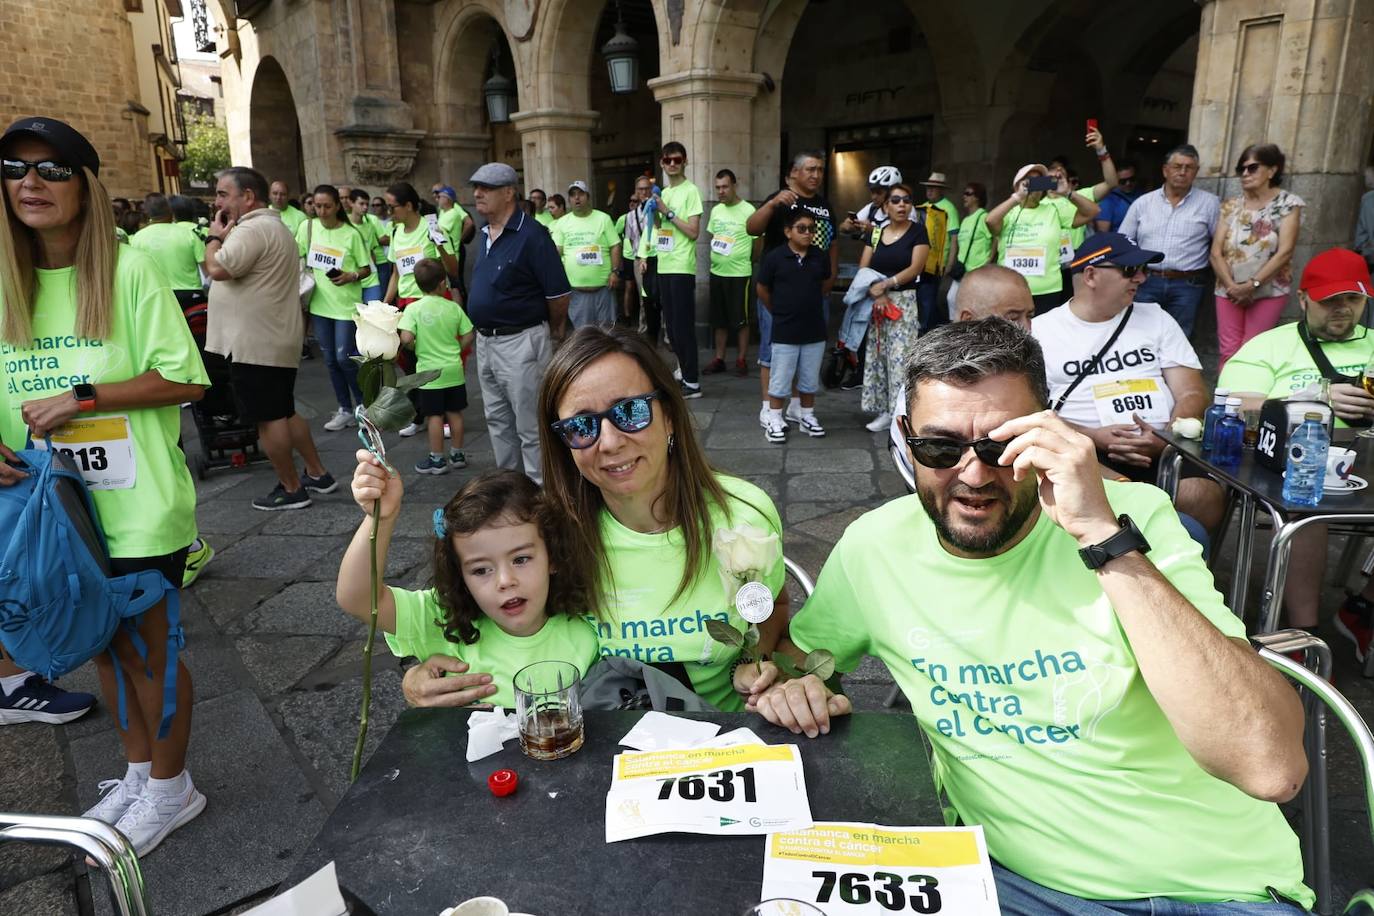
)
(48, 170)
(898, 199)
(942, 454)
(803, 228)
(629, 415)
(1126, 179)
(1127, 271)
(1247, 168)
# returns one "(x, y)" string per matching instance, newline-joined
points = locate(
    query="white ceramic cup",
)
(1339, 463)
(481, 906)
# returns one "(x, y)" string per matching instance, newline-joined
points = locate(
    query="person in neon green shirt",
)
(677, 220)
(496, 605)
(590, 248)
(1077, 231)
(732, 263)
(440, 331)
(458, 227)
(176, 249)
(92, 335)
(541, 214)
(412, 238)
(1071, 710)
(372, 231)
(1030, 231)
(280, 200)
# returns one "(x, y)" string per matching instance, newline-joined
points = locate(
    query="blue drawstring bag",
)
(59, 605)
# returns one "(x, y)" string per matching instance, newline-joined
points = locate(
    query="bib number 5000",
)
(694, 787)
(887, 890)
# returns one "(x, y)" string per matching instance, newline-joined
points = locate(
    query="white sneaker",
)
(342, 419)
(763, 416)
(677, 373)
(153, 816)
(412, 430)
(879, 423)
(116, 797)
(810, 425)
(792, 413)
(775, 431)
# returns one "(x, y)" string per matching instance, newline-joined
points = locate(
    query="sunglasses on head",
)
(1248, 168)
(898, 199)
(47, 170)
(674, 160)
(629, 415)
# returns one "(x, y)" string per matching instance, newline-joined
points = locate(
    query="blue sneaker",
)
(36, 700)
(433, 465)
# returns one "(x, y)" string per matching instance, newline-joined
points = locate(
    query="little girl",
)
(505, 595)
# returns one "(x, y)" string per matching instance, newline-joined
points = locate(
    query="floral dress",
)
(1252, 238)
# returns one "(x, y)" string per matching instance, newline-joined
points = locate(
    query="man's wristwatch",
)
(1129, 538)
(1255, 283)
(671, 216)
(85, 397)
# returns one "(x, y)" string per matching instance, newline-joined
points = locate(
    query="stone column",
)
(1295, 74)
(557, 146)
(454, 157)
(711, 113)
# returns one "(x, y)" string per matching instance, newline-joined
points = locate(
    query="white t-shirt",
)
(1130, 377)
(875, 215)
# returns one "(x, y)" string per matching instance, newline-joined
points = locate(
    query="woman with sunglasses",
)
(623, 465)
(92, 330)
(1252, 250)
(977, 246)
(898, 251)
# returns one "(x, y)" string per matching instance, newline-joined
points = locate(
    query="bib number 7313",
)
(888, 889)
(693, 787)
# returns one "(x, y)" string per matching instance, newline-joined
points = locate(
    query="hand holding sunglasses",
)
(629, 415)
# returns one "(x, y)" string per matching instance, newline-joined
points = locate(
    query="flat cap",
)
(494, 175)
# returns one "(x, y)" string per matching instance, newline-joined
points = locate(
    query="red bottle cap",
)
(502, 782)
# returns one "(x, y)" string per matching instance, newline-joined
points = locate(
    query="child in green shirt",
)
(441, 334)
(506, 592)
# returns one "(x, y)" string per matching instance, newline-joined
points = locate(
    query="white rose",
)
(1188, 427)
(745, 549)
(377, 337)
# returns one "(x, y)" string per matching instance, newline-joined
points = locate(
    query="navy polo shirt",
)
(514, 277)
(795, 289)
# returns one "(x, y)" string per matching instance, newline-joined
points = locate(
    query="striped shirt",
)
(1183, 232)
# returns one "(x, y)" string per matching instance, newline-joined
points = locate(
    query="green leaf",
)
(391, 410)
(725, 634)
(751, 636)
(786, 666)
(820, 663)
(415, 380)
(369, 378)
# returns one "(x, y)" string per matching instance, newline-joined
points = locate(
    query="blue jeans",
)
(373, 293)
(1180, 298)
(335, 337)
(384, 270)
(1019, 896)
(799, 361)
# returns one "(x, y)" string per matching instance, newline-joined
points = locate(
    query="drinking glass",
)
(548, 710)
(1367, 383)
(1252, 421)
(783, 906)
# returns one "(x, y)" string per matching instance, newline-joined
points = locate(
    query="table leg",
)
(1170, 466)
(1245, 551)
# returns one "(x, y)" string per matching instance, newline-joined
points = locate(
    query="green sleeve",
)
(832, 617)
(417, 632)
(162, 340)
(302, 244)
(1251, 369)
(464, 322)
(407, 323)
(197, 246)
(358, 248)
(609, 237)
(692, 205)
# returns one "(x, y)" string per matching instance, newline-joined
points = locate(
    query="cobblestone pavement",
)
(276, 663)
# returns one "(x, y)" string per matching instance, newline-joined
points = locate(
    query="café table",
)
(420, 831)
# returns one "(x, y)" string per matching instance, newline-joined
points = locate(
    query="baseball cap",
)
(1336, 271)
(452, 194)
(74, 149)
(1026, 170)
(579, 185)
(494, 175)
(1112, 248)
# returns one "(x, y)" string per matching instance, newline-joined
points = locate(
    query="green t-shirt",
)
(545, 219)
(342, 247)
(732, 248)
(1074, 235)
(975, 240)
(625, 250)
(1276, 363)
(951, 219)
(292, 217)
(1029, 244)
(585, 243)
(437, 323)
(677, 254)
(123, 238)
(1044, 730)
(157, 515)
(451, 221)
(368, 229)
(408, 248)
(176, 249)
(420, 632)
(645, 570)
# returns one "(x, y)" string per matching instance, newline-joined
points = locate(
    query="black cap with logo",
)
(74, 148)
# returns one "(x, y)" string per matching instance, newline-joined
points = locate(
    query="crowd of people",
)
(1048, 614)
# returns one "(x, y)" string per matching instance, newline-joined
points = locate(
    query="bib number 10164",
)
(889, 890)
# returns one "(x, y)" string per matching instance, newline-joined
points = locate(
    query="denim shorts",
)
(800, 360)
(766, 329)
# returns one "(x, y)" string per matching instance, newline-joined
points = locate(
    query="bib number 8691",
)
(1131, 402)
(91, 458)
(854, 889)
(694, 787)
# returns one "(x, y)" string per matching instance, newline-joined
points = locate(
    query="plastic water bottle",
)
(1213, 414)
(1307, 448)
(1228, 438)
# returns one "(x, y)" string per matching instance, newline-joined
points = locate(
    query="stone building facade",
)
(109, 68)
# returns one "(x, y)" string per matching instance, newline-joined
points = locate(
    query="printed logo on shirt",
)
(1113, 362)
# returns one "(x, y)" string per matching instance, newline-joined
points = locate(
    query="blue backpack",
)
(59, 606)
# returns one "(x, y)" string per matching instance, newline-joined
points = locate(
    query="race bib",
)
(742, 790)
(322, 257)
(102, 449)
(1065, 249)
(1117, 401)
(663, 240)
(407, 258)
(1028, 262)
(723, 245)
(847, 868)
(589, 256)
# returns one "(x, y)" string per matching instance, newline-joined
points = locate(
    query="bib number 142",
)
(889, 890)
(694, 787)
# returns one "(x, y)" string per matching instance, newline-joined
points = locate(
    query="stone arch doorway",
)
(475, 47)
(626, 138)
(275, 132)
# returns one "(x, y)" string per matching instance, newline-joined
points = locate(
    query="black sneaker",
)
(36, 700)
(279, 499)
(853, 378)
(325, 483)
(690, 392)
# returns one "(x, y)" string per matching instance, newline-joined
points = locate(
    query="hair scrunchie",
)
(440, 530)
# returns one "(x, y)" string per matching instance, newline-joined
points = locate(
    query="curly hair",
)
(502, 497)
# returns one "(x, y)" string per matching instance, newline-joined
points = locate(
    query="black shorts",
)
(172, 565)
(263, 393)
(729, 302)
(436, 401)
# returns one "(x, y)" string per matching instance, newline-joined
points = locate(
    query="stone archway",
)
(274, 127)
(464, 137)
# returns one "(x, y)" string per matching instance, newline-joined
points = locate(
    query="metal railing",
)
(101, 843)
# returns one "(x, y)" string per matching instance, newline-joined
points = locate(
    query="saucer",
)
(1352, 484)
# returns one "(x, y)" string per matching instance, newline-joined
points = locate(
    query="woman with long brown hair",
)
(91, 329)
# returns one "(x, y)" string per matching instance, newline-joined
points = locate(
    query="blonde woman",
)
(91, 328)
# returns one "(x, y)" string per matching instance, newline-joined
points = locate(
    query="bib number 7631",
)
(889, 890)
(693, 787)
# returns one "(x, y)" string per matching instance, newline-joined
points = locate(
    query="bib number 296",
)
(722, 788)
(890, 891)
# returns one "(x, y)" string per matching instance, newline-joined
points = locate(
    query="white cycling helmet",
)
(884, 176)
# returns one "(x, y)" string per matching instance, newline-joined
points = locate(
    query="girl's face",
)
(506, 569)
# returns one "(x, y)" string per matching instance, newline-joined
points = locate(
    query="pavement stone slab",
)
(828, 528)
(52, 894)
(273, 556)
(302, 609)
(321, 519)
(826, 487)
(747, 460)
(32, 781)
(403, 555)
(225, 599)
(279, 662)
(833, 460)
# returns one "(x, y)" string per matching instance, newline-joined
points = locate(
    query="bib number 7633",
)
(693, 787)
(889, 890)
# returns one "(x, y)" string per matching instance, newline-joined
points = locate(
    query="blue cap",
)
(1113, 249)
(452, 194)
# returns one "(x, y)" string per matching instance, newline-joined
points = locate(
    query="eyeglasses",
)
(1127, 271)
(48, 170)
(629, 415)
(1248, 168)
(898, 199)
(673, 160)
(1126, 179)
(942, 453)
(803, 228)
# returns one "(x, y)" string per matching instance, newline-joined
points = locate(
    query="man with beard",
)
(1082, 683)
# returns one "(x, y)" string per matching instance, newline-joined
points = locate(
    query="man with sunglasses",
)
(1118, 200)
(1090, 700)
(674, 239)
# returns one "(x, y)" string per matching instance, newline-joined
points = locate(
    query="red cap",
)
(1336, 271)
(502, 782)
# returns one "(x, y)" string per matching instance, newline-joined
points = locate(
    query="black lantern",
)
(500, 92)
(622, 57)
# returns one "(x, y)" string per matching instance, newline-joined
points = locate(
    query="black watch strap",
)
(1129, 538)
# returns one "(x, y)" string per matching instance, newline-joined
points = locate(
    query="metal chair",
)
(804, 580)
(103, 844)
